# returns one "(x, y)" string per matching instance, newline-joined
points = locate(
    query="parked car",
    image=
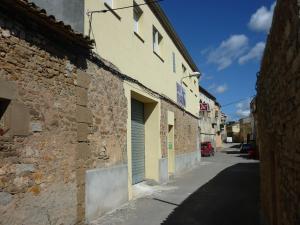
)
(245, 148)
(253, 152)
(207, 149)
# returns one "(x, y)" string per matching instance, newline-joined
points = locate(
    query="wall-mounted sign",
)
(180, 95)
(204, 107)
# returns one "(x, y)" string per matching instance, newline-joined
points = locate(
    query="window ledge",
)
(139, 37)
(155, 53)
(112, 11)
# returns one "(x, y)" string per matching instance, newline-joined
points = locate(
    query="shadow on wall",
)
(231, 198)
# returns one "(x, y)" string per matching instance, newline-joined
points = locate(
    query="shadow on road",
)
(235, 146)
(232, 152)
(231, 198)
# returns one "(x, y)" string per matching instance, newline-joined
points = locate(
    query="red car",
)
(253, 153)
(207, 149)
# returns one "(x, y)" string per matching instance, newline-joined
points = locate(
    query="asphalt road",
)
(221, 190)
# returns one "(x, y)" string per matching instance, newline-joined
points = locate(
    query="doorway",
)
(138, 141)
(171, 151)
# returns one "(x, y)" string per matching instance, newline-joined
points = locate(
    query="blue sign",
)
(180, 95)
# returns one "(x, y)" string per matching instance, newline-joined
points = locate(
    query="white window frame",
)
(137, 13)
(174, 62)
(157, 38)
(183, 69)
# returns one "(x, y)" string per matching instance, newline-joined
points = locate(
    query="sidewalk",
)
(221, 190)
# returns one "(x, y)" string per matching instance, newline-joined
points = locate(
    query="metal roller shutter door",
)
(137, 141)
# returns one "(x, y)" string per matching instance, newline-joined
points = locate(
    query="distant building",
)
(253, 116)
(212, 120)
(223, 126)
(233, 130)
(245, 129)
(207, 117)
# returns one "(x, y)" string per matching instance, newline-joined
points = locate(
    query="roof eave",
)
(165, 22)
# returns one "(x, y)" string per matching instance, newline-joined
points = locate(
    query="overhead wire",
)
(120, 8)
(238, 101)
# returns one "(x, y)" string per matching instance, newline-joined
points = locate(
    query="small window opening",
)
(4, 103)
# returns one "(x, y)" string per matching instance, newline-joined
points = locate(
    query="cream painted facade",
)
(211, 122)
(130, 113)
(133, 54)
(152, 137)
(207, 131)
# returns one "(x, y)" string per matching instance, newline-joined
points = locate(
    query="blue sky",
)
(226, 40)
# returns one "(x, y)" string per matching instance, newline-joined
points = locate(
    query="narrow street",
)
(107, 105)
(222, 190)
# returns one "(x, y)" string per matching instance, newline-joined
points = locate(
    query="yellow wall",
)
(116, 42)
(152, 134)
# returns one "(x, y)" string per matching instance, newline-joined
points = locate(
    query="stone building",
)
(162, 92)
(60, 121)
(253, 114)
(212, 120)
(233, 131)
(278, 118)
(207, 120)
(220, 120)
(245, 129)
(69, 119)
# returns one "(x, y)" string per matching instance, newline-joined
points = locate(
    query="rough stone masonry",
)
(278, 115)
(60, 115)
(63, 118)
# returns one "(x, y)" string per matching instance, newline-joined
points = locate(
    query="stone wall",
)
(185, 133)
(71, 117)
(278, 115)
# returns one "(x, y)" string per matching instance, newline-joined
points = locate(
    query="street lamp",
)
(193, 74)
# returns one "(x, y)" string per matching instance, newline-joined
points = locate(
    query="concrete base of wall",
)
(186, 161)
(163, 171)
(106, 189)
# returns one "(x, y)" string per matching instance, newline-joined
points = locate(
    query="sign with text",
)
(181, 95)
(204, 107)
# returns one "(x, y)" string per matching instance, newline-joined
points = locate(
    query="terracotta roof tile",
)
(40, 12)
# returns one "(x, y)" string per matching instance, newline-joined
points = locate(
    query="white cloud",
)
(212, 86)
(243, 108)
(243, 113)
(209, 77)
(254, 54)
(206, 77)
(261, 20)
(228, 51)
(221, 89)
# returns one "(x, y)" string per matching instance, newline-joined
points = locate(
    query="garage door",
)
(137, 141)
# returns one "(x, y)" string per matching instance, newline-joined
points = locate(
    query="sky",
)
(226, 39)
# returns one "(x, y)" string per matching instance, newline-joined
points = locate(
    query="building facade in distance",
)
(246, 129)
(233, 130)
(212, 120)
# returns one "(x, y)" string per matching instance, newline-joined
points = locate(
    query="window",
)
(3, 121)
(174, 62)
(109, 2)
(183, 69)
(137, 13)
(157, 38)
